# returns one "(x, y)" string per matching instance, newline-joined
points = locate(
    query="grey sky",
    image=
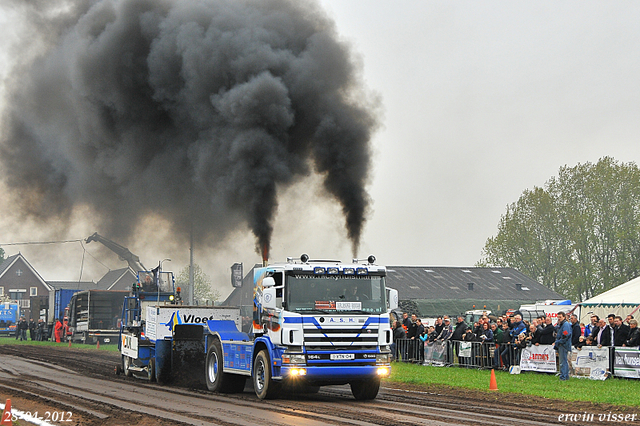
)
(481, 101)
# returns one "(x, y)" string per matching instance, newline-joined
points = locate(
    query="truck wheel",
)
(213, 370)
(263, 384)
(126, 362)
(364, 390)
(217, 380)
(151, 370)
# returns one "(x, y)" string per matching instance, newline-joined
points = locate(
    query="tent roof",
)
(627, 293)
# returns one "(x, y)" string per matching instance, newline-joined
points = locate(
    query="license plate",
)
(343, 356)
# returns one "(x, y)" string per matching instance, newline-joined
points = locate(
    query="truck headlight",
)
(382, 358)
(293, 359)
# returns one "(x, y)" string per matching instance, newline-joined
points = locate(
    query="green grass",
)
(13, 341)
(615, 391)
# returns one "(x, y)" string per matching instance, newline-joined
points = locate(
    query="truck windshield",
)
(331, 293)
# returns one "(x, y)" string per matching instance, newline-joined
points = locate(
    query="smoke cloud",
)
(197, 111)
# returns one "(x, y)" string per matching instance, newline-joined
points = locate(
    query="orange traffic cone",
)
(6, 414)
(493, 385)
(98, 344)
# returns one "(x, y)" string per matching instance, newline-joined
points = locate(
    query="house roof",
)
(440, 290)
(11, 260)
(111, 278)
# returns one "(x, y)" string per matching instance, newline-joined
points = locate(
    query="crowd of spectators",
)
(505, 336)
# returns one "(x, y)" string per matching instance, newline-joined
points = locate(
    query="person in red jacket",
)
(57, 331)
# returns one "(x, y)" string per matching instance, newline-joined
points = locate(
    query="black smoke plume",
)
(197, 111)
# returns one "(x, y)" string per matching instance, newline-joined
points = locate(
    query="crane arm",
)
(122, 252)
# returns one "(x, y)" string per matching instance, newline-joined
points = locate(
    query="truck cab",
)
(315, 322)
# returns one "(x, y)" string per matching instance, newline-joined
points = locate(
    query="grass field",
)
(13, 341)
(615, 391)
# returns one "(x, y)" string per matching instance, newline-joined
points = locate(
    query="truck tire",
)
(263, 384)
(151, 370)
(364, 390)
(126, 362)
(217, 380)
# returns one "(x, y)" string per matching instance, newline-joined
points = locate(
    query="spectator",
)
(398, 334)
(576, 331)
(611, 324)
(501, 337)
(418, 343)
(439, 325)
(628, 319)
(634, 335)
(534, 335)
(510, 353)
(588, 341)
(588, 329)
(22, 328)
(581, 342)
(458, 335)
(32, 329)
(563, 345)
(412, 328)
(620, 331)
(406, 322)
(603, 337)
(447, 330)
(412, 335)
(460, 330)
(57, 332)
(547, 333)
(41, 330)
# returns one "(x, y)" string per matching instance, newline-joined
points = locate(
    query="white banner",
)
(435, 352)
(465, 350)
(538, 358)
(627, 363)
(591, 362)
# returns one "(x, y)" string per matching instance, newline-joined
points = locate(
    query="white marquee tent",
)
(627, 293)
(621, 300)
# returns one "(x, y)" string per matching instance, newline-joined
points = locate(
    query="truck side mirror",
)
(392, 298)
(269, 298)
(268, 282)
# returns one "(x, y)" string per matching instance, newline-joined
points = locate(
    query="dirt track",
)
(83, 383)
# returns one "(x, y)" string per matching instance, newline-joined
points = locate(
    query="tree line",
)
(579, 235)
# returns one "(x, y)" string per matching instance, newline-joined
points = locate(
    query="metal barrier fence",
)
(456, 353)
(589, 361)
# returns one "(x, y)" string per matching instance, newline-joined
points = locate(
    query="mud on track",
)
(83, 382)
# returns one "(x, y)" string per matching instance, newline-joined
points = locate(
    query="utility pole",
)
(191, 283)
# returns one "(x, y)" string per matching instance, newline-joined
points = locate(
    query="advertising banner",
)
(236, 275)
(161, 319)
(465, 350)
(591, 362)
(538, 358)
(435, 353)
(626, 363)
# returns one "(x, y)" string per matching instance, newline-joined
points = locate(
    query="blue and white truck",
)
(9, 315)
(314, 323)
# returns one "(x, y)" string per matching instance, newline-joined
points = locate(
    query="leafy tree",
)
(1, 255)
(203, 290)
(579, 235)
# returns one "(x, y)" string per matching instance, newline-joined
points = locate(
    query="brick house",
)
(19, 281)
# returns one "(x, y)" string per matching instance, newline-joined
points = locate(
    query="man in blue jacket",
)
(563, 344)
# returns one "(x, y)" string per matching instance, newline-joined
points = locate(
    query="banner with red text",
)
(538, 358)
